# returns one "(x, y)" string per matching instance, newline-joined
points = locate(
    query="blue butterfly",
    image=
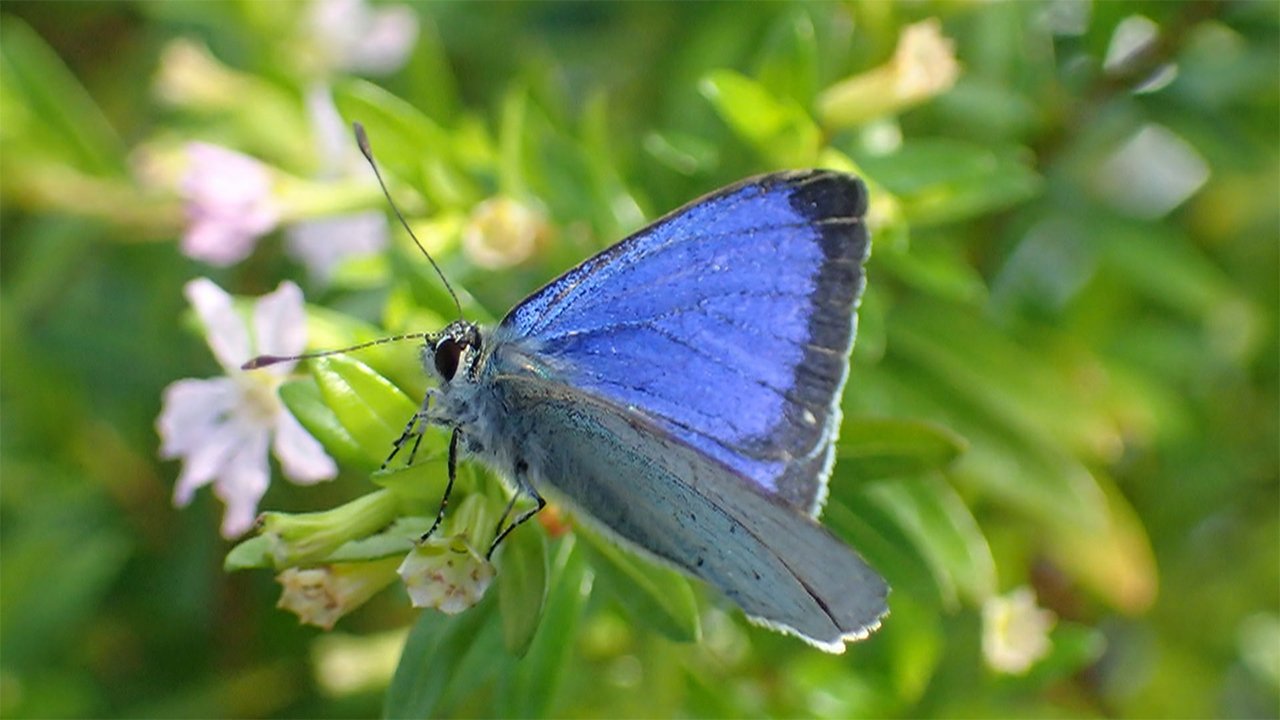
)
(681, 390)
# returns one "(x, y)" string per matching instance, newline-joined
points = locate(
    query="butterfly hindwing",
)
(727, 323)
(783, 569)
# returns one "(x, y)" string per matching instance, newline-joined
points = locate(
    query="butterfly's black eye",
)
(448, 353)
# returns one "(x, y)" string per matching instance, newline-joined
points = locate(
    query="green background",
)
(1054, 385)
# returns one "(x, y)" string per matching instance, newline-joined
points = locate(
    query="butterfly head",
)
(454, 352)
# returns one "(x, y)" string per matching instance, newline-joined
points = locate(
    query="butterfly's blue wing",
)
(728, 323)
(657, 493)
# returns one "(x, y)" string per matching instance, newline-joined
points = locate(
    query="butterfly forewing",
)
(727, 323)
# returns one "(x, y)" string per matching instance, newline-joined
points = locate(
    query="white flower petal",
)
(242, 483)
(1015, 631)
(301, 456)
(354, 37)
(388, 38)
(206, 461)
(280, 323)
(333, 136)
(224, 329)
(322, 244)
(191, 411)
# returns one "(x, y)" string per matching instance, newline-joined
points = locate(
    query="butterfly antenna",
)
(264, 360)
(363, 141)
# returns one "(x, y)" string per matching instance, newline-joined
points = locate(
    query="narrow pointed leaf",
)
(532, 685)
(304, 400)
(873, 448)
(944, 530)
(522, 587)
(371, 408)
(432, 655)
(651, 595)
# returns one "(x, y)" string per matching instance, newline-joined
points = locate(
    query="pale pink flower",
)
(354, 36)
(229, 204)
(222, 428)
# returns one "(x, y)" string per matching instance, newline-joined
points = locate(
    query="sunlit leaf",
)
(1114, 560)
(303, 399)
(780, 129)
(373, 410)
(248, 554)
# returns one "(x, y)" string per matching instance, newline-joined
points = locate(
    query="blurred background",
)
(1060, 437)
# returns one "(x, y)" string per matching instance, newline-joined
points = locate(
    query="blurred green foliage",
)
(1066, 375)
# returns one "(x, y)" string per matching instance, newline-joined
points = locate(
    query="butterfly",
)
(681, 391)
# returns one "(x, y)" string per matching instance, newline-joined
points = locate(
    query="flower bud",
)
(446, 572)
(502, 232)
(321, 595)
(923, 65)
(1015, 631)
(308, 537)
(190, 76)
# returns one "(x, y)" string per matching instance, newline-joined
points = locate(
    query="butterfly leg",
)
(415, 428)
(448, 487)
(501, 533)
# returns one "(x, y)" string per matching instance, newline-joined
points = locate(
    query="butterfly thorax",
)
(469, 361)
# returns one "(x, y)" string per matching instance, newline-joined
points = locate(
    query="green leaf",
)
(398, 132)
(250, 554)
(1074, 647)
(937, 268)
(401, 136)
(946, 534)
(398, 539)
(915, 641)
(426, 477)
(511, 142)
(651, 595)
(371, 408)
(1019, 412)
(881, 540)
(532, 685)
(60, 115)
(522, 587)
(873, 448)
(779, 129)
(940, 180)
(304, 400)
(1113, 558)
(686, 154)
(789, 63)
(436, 648)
